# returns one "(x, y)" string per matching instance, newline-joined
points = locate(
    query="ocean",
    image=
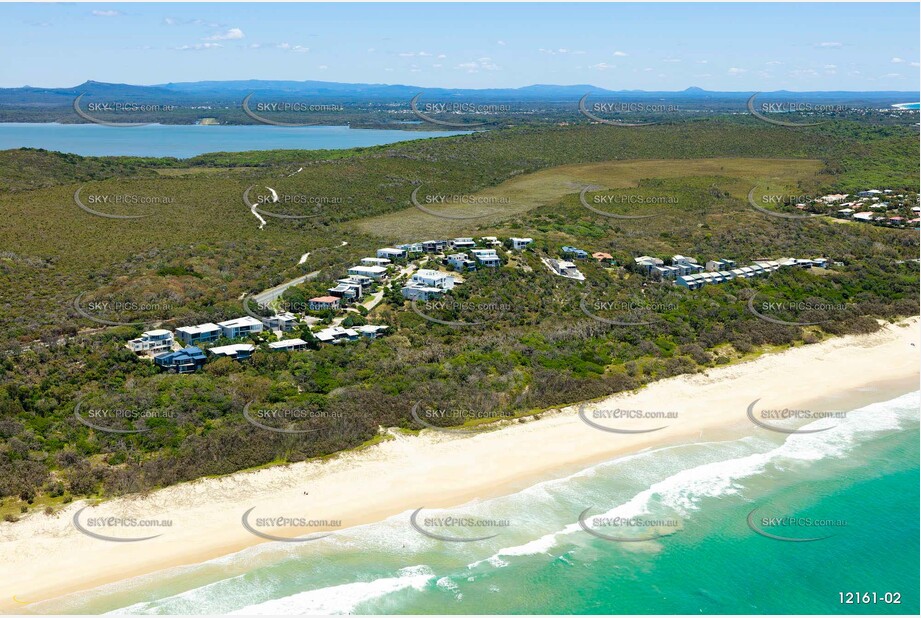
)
(184, 141)
(692, 510)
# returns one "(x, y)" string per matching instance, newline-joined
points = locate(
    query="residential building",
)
(491, 241)
(391, 253)
(281, 321)
(432, 278)
(461, 243)
(371, 331)
(361, 280)
(289, 345)
(346, 292)
(152, 342)
(434, 246)
(186, 360)
(240, 327)
(564, 269)
(487, 257)
(723, 264)
(520, 243)
(336, 334)
(236, 351)
(603, 257)
(421, 292)
(411, 248)
(646, 263)
(373, 272)
(461, 262)
(200, 333)
(324, 303)
(375, 261)
(574, 252)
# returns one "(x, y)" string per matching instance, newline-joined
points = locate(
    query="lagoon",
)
(183, 141)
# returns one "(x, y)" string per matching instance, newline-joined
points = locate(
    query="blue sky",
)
(650, 46)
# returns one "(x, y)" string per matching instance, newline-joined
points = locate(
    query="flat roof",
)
(287, 343)
(244, 321)
(199, 328)
(325, 299)
(232, 348)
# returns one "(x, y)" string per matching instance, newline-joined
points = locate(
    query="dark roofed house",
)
(186, 360)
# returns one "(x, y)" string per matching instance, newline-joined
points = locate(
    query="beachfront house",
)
(520, 243)
(198, 334)
(372, 272)
(411, 248)
(487, 257)
(186, 360)
(324, 303)
(152, 342)
(289, 345)
(420, 292)
(236, 351)
(391, 253)
(240, 327)
(490, 241)
(461, 262)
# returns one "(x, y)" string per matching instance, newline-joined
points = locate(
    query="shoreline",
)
(46, 557)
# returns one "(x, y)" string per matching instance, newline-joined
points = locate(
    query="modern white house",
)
(564, 268)
(236, 351)
(288, 345)
(375, 261)
(152, 342)
(722, 264)
(346, 291)
(686, 265)
(200, 333)
(240, 327)
(461, 243)
(336, 334)
(434, 246)
(373, 272)
(282, 321)
(371, 331)
(487, 257)
(421, 292)
(647, 263)
(520, 243)
(461, 261)
(433, 278)
(391, 253)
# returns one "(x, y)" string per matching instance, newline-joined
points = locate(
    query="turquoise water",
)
(862, 473)
(908, 105)
(185, 141)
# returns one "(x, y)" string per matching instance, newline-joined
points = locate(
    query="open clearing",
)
(529, 191)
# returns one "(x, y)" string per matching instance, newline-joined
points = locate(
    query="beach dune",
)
(47, 556)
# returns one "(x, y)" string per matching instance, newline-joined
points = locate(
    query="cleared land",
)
(529, 191)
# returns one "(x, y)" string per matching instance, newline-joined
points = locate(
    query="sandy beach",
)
(46, 556)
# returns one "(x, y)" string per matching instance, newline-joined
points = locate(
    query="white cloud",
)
(829, 44)
(897, 60)
(441, 56)
(892, 75)
(914, 64)
(736, 71)
(169, 21)
(671, 60)
(300, 49)
(199, 46)
(602, 66)
(773, 62)
(231, 34)
(322, 67)
(480, 64)
(106, 13)
(561, 51)
(620, 53)
(502, 43)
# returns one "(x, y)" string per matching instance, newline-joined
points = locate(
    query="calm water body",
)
(863, 472)
(185, 141)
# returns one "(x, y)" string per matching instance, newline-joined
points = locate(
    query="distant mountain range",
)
(186, 93)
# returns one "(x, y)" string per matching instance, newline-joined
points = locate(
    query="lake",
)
(185, 141)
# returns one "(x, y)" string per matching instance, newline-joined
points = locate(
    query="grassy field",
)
(530, 191)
